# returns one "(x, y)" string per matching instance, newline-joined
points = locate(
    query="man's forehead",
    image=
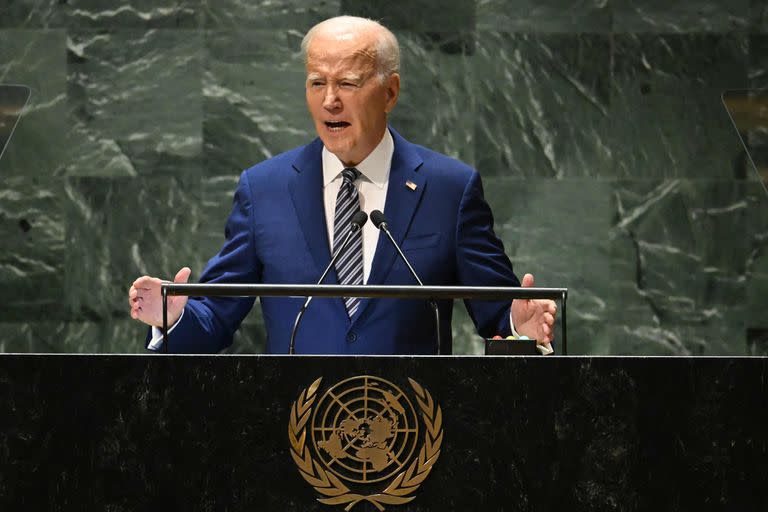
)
(342, 46)
(355, 60)
(334, 59)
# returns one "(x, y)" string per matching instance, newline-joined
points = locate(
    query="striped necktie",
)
(349, 267)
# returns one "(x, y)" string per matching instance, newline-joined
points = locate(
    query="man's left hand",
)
(534, 318)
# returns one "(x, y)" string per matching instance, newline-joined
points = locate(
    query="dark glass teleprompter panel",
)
(13, 98)
(510, 347)
(748, 110)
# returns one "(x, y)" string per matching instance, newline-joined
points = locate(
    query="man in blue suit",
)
(289, 213)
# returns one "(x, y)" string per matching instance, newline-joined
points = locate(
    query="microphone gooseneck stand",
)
(380, 221)
(357, 222)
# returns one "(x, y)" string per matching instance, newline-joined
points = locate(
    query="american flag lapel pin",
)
(411, 185)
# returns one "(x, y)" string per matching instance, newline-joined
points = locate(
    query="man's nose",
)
(331, 99)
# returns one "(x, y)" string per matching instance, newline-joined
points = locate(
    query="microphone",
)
(357, 222)
(380, 221)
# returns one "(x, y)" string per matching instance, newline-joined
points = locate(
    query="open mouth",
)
(336, 126)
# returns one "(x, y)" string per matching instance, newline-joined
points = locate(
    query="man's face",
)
(347, 100)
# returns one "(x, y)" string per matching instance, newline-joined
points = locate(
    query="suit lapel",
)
(306, 189)
(307, 195)
(404, 190)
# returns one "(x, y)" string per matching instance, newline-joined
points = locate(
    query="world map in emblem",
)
(364, 429)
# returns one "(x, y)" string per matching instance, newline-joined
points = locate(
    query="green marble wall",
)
(607, 156)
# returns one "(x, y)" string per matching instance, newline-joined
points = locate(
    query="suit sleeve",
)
(209, 323)
(481, 260)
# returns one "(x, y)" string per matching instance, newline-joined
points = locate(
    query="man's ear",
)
(392, 91)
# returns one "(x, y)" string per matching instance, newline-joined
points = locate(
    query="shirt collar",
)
(375, 167)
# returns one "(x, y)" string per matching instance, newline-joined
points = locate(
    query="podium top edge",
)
(369, 291)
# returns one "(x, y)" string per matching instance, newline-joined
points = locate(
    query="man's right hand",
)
(147, 302)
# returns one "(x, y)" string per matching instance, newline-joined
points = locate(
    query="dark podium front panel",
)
(472, 433)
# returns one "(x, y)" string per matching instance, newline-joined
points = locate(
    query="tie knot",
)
(350, 174)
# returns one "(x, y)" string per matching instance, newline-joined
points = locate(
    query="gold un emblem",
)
(358, 442)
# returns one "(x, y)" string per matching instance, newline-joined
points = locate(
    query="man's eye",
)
(348, 84)
(316, 83)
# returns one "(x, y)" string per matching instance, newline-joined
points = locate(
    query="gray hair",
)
(387, 49)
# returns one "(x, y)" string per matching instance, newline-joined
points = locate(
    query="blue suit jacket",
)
(277, 233)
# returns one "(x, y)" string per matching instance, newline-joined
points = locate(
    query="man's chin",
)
(341, 150)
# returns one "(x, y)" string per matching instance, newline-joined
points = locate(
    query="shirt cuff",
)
(545, 349)
(157, 335)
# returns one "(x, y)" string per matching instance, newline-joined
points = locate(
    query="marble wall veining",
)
(598, 127)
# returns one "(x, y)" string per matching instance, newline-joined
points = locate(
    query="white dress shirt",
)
(372, 189)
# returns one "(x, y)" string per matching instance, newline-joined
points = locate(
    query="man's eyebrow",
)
(350, 77)
(353, 77)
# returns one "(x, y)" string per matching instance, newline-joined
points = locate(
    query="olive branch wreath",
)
(400, 490)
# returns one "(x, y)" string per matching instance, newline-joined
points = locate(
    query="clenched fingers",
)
(146, 283)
